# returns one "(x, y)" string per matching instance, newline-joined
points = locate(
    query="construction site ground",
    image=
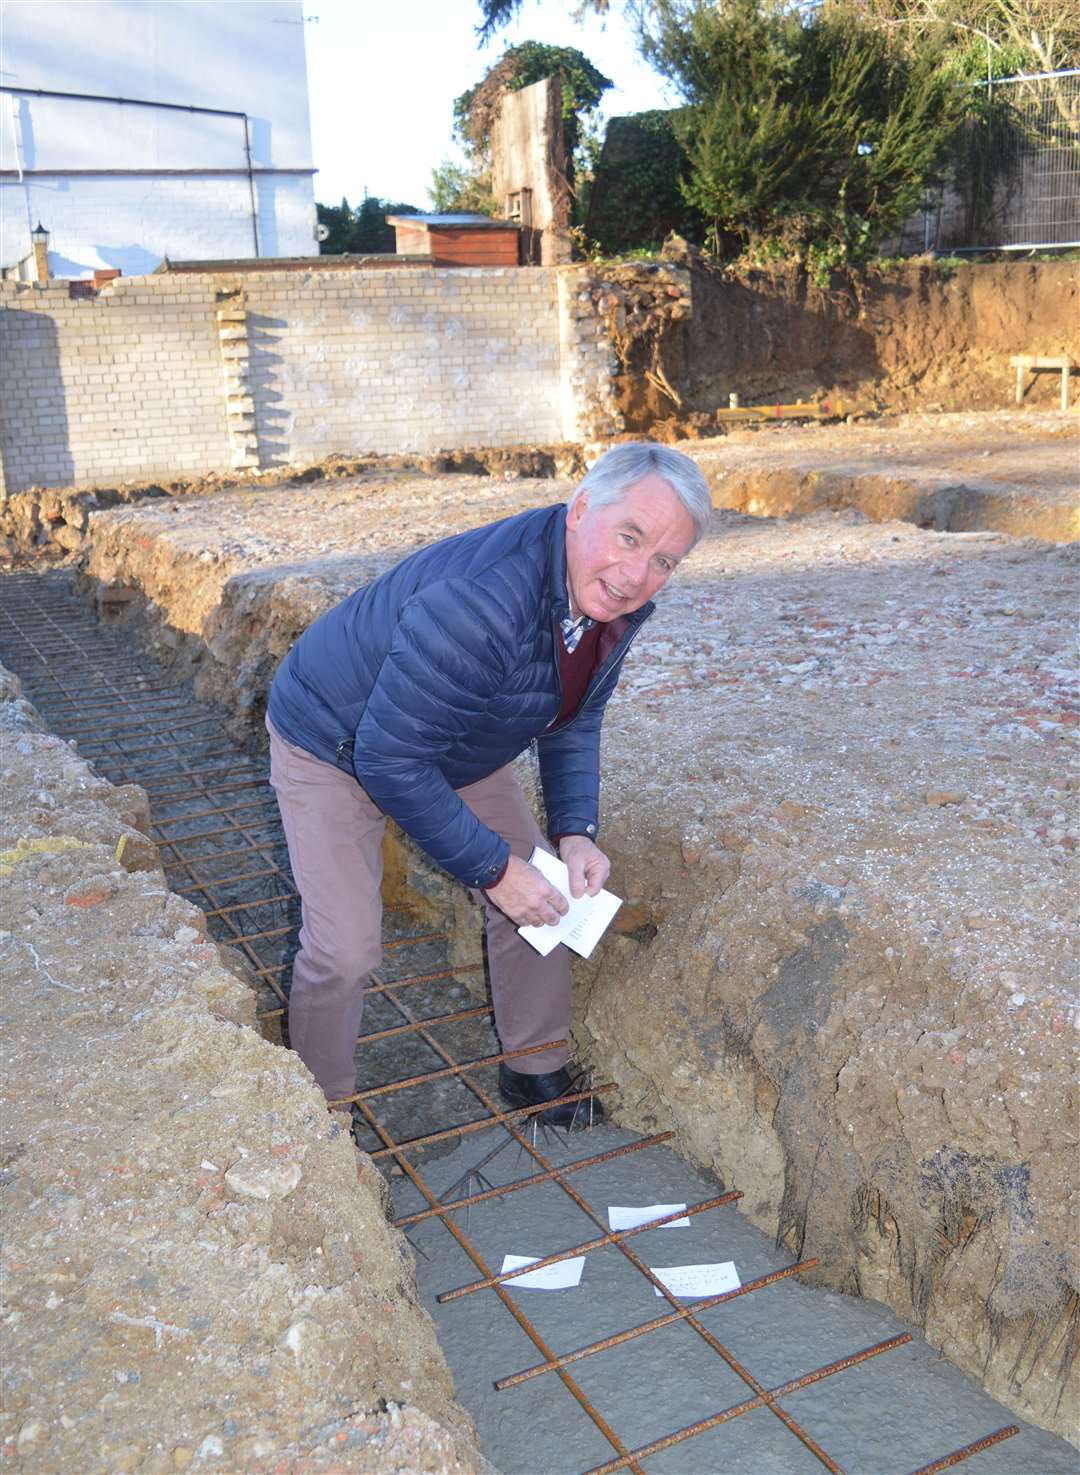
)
(840, 808)
(1014, 472)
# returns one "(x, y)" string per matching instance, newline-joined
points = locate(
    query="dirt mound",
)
(199, 1266)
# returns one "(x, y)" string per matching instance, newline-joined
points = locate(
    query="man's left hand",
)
(589, 867)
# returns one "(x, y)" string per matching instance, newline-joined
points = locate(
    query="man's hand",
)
(526, 897)
(589, 867)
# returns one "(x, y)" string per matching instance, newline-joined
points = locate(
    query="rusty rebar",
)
(519, 1316)
(137, 724)
(657, 1322)
(496, 1118)
(384, 987)
(249, 906)
(238, 764)
(764, 1399)
(614, 1237)
(214, 786)
(452, 1205)
(271, 870)
(230, 809)
(449, 1070)
(173, 865)
(156, 732)
(212, 834)
(958, 1456)
(457, 1017)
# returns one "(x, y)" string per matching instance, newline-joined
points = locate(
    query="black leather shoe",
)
(520, 1089)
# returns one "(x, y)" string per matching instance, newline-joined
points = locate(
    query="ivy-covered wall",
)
(636, 200)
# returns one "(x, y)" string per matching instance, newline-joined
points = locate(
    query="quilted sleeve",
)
(443, 668)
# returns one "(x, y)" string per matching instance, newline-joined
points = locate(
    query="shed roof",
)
(455, 222)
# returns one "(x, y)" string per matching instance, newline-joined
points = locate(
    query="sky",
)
(383, 75)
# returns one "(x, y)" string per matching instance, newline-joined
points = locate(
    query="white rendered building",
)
(139, 130)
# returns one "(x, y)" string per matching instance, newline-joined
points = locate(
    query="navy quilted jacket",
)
(443, 670)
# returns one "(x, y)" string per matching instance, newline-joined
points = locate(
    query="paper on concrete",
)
(585, 922)
(559, 1277)
(622, 1217)
(698, 1280)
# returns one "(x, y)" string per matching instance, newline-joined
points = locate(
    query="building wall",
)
(122, 185)
(184, 374)
(123, 386)
(528, 149)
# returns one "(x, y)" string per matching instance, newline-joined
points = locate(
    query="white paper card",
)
(695, 1281)
(559, 1277)
(585, 922)
(621, 1217)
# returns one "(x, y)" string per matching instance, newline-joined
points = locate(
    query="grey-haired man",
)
(411, 698)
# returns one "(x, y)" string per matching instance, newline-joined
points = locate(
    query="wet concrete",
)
(892, 1414)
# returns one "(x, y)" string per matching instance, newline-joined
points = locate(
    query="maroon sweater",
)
(576, 670)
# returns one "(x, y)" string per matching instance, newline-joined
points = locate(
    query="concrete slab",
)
(894, 1413)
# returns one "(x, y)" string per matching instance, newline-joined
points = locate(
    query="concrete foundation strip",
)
(615, 1238)
(387, 946)
(451, 1205)
(135, 725)
(481, 1265)
(763, 1400)
(402, 983)
(496, 1119)
(558, 1178)
(159, 791)
(213, 834)
(230, 809)
(652, 1326)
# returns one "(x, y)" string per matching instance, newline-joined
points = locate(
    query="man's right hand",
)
(526, 897)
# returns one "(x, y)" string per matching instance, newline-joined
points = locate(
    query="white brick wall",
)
(125, 386)
(403, 361)
(131, 385)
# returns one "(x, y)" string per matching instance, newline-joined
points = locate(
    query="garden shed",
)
(457, 240)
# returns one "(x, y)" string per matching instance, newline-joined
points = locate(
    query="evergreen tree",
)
(812, 135)
(360, 232)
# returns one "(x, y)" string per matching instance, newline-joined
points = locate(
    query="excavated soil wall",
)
(919, 335)
(838, 801)
(199, 1269)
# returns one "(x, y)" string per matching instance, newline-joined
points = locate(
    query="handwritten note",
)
(585, 922)
(621, 1217)
(694, 1281)
(560, 1277)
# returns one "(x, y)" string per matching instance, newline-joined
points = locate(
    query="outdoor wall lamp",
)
(40, 238)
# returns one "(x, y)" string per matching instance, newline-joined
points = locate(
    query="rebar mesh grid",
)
(137, 727)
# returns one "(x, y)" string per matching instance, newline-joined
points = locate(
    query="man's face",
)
(618, 556)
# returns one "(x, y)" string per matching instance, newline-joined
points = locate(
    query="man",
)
(410, 699)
